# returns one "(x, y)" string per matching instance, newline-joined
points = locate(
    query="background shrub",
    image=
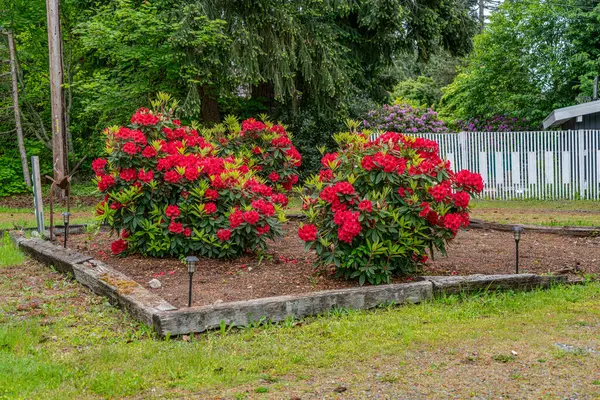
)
(377, 207)
(404, 117)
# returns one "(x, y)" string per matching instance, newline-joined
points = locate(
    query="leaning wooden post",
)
(59, 143)
(15, 99)
(38, 204)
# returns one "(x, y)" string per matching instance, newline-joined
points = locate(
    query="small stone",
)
(154, 284)
(340, 389)
(218, 301)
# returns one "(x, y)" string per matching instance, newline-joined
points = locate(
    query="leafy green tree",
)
(422, 90)
(532, 58)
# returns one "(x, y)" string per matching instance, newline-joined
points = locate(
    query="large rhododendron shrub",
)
(379, 208)
(265, 147)
(168, 193)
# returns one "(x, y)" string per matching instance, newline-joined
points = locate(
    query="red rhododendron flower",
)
(325, 175)
(187, 232)
(145, 176)
(176, 122)
(176, 227)
(191, 173)
(125, 234)
(211, 194)
(329, 160)
(172, 211)
(273, 176)
(307, 233)
(261, 230)
(128, 174)
(453, 221)
(149, 152)
(118, 246)
(425, 209)
(105, 182)
(350, 228)
(252, 125)
(441, 191)
(281, 141)
(236, 218)
(172, 176)
(280, 198)
(224, 234)
(469, 180)
(116, 206)
(251, 217)
(98, 165)
(367, 163)
(365, 205)
(461, 199)
(344, 188)
(210, 208)
(256, 150)
(130, 148)
(144, 117)
(264, 207)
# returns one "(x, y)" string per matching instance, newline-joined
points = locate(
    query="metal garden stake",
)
(517, 230)
(191, 265)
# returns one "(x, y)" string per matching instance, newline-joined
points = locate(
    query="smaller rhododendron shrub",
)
(266, 148)
(168, 193)
(380, 207)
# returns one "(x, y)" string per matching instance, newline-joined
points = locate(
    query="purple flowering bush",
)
(496, 123)
(405, 118)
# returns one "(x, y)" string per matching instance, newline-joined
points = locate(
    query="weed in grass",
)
(503, 358)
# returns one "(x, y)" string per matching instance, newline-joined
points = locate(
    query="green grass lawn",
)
(537, 212)
(58, 341)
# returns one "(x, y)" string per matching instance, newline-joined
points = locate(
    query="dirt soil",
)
(290, 270)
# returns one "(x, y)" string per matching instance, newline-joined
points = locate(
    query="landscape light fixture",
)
(66, 216)
(191, 266)
(517, 231)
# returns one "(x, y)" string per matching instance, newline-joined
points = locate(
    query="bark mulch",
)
(289, 269)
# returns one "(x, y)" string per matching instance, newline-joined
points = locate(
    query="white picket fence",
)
(522, 165)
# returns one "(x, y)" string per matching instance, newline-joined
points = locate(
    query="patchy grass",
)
(537, 212)
(23, 218)
(59, 341)
(9, 254)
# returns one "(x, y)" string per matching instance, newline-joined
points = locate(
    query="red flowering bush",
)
(378, 207)
(167, 192)
(266, 148)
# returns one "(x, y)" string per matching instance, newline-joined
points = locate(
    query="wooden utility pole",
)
(15, 99)
(59, 142)
(481, 15)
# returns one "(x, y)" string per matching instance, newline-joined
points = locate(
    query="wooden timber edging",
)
(166, 319)
(581, 231)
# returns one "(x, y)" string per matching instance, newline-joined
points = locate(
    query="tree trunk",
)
(266, 91)
(59, 142)
(15, 99)
(209, 109)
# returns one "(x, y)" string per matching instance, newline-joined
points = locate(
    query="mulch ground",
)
(289, 269)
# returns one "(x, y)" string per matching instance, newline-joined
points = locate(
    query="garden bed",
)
(289, 270)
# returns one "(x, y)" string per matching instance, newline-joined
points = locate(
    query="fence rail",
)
(520, 165)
